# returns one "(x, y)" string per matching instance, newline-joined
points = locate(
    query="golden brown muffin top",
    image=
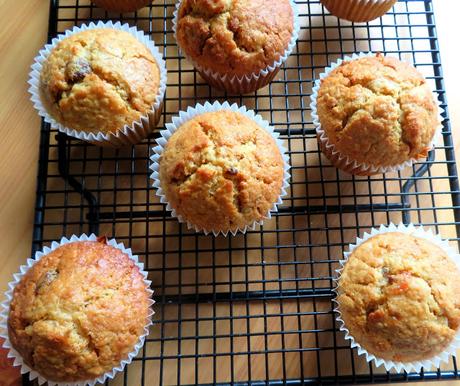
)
(78, 311)
(400, 297)
(377, 110)
(99, 80)
(235, 37)
(221, 171)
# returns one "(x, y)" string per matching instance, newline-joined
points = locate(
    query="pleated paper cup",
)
(5, 308)
(128, 134)
(121, 5)
(187, 115)
(358, 10)
(342, 161)
(251, 82)
(436, 360)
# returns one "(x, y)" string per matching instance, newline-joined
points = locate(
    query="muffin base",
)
(127, 135)
(251, 82)
(185, 116)
(12, 353)
(342, 161)
(236, 85)
(435, 361)
(358, 10)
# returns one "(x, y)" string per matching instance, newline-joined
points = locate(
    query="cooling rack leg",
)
(64, 167)
(411, 182)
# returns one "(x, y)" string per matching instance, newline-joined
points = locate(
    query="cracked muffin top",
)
(235, 37)
(221, 171)
(399, 296)
(378, 111)
(78, 311)
(99, 80)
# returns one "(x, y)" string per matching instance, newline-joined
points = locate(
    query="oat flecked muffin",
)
(99, 80)
(399, 296)
(377, 111)
(79, 311)
(234, 37)
(221, 171)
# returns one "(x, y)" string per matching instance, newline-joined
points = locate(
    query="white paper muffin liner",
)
(129, 134)
(358, 10)
(419, 232)
(250, 82)
(5, 307)
(342, 161)
(185, 116)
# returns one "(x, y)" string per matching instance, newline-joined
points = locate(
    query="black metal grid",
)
(255, 308)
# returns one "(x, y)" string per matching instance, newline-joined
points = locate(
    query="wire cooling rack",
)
(255, 308)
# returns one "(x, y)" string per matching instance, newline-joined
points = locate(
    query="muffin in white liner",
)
(185, 116)
(421, 233)
(358, 10)
(342, 161)
(129, 134)
(251, 82)
(5, 305)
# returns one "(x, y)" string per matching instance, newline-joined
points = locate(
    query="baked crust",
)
(399, 296)
(78, 311)
(378, 111)
(99, 80)
(235, 37)
(221, 171)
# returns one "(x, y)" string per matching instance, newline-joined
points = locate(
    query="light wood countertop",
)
(24, 31)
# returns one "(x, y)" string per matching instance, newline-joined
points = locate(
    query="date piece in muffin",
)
(399, 296)
(99, 80)
(79, 311)
(221, 171)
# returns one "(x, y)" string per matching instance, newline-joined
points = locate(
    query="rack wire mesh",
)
(255, 308)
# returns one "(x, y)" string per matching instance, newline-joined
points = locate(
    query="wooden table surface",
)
(23, 32)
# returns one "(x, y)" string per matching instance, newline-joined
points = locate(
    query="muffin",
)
(374, 114)
(79, 311)
(399, 298)
(102, 83)
(236, 45)
(358, 10)
(220, 171)
(122, 5)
